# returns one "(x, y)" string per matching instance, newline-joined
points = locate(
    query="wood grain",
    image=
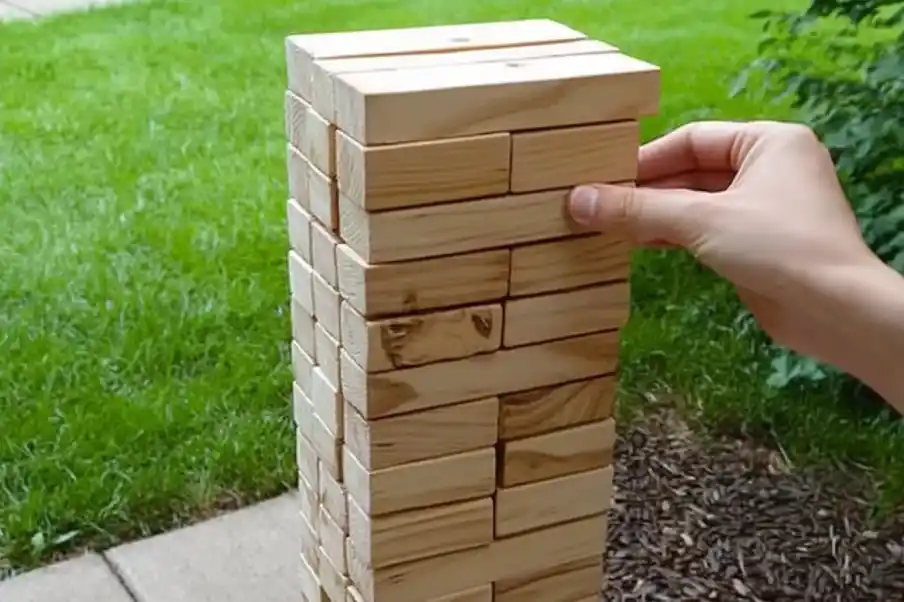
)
(297, 171)
(332, 540)
(327, 349)
(301, 285)
(319, 144)
(302, 368)
(310, 541)
(394, 176)
(323, 253)
(327, 305)
(305, 457)
(323, 196)
(328, 403)
(423, 435)
(298, 222)
(414, 340)
(295, 109)
(402, 288)
(302, 327)
(328, 448)
(334, 499)
(332, 579)
(562, 583)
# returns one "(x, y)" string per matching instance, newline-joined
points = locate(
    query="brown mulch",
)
(722, 520)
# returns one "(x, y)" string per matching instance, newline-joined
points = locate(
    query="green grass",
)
(143, 362)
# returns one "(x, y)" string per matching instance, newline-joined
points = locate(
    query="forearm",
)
(865, 305)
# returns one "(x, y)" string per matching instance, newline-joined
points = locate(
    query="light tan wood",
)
(327, 304)
(401, 288)
(352, 595)
(322, 96)
(559, 453)
(494, 97)
(301, 406)
(302, 50)
(297, 172)
(327, 355)
(319, 144)
(562, 583)
(332, 540)
(301, 282)
(411, 535)
(504, 558)
(334, 499)
(394, 176)
(310, 582)
(560, 157)
(328, 403)
(460, 227)
(296, 109)
(309, 543)
(421, 484)
(328, 448)
(302, 328)
(306, 458)
(482, 593)
(423, 435)
(569, 263)
(553, 501)
(414, 340)
(332, 579)
(323, 253)
(445, 383)
(302, 368)
(298, 222)
(308, 500)
(550, 408)
(566, 314)
(323, 195)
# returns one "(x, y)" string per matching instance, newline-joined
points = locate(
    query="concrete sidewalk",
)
(245, 555)
(30, 9)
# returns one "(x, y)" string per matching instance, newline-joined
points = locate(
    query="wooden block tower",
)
(455, 336)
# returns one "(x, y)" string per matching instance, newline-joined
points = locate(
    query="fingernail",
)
(582, 204)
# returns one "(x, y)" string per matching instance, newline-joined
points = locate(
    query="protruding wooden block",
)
(554, 158)
(401, 288)
(403, 175)
(413, 340)
(494, 97)
(557, 454)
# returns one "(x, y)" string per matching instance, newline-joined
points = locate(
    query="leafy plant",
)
(840, 66)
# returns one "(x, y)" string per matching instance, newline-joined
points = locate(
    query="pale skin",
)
(761, 205)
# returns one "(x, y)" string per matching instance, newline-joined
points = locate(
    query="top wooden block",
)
(446, 82)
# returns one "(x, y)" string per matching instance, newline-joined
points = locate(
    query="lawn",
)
(144, 371)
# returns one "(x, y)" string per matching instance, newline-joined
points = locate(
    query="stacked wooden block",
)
(455, 336)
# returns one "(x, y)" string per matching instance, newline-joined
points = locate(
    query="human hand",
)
(760, 204)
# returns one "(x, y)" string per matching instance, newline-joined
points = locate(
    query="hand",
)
(760, 204)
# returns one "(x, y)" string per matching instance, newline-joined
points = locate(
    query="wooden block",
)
(483, 593)
(555, 158)
(334, 499)
(328, 403)
(553, 501)
(332, 579)
(414, 340)
(310, 582)
(556, 454)
(534, 551)
(451, 228)
(302, 50)
(480, 376)
(328, 448)
(401, 288)
(352, 595)
(323, 253)
(298, 223)
(415, 534)
(332, 540)
(423, 435)
(417, 173)
(302, 328)
(569, 263)
(296, 109)
(302, 368)
(494, 97)
(301, 282)
(297, 169)
(566, 314)
(309, 504)
(320, 142)
(305, 457)
(309, 544)
(421, 484)
(327, 355)
(323, 195)
(563, 583)
(323, 99)
(551, 408)
(326, 305)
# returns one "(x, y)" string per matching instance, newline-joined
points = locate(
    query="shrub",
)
(840, 65)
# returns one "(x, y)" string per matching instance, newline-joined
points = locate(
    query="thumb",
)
(649, 215)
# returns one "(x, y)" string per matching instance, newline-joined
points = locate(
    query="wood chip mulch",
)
(726, 521)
